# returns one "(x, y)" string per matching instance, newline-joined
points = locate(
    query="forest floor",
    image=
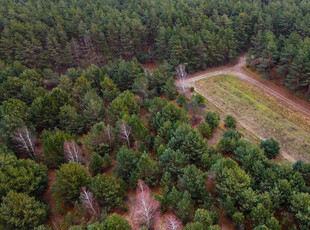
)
(260, 106)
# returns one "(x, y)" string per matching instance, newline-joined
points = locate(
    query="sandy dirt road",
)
(289, 101)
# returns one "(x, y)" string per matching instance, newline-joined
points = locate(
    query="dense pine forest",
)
(91, 140)
(62, 34)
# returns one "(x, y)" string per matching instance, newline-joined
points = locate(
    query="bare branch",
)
(26, 141)
(109, 134)
(173, 223)
(125, 131)
(89, 203)
(72, 151)
(146, 208)
(182, 77)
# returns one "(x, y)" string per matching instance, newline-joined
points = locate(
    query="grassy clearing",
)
(261, 112)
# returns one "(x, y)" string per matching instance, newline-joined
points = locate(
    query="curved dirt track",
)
(289, 101)
(238, 71)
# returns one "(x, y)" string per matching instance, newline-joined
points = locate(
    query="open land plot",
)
(260, 112)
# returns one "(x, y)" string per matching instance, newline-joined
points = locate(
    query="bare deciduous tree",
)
(173, 223)
(195, 110)
(72, 152)
(26, 141)
(89, 203)
(125, 131)
(108, 133)
(182, 77)
(146, 208)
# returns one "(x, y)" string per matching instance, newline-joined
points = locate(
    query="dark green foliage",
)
(97, 140)
(108, 190)
(230, 122)
(184, 208)
(109, 89)
(228, 206)
(93, 108)
(230, 179)
(70, 120)
(248, 199)
(139, 129)
(170, 90)
(238, 219)
(19, 211)
(229, 142)
(15, 108)
(205, 129)
(160, 78)
(194, 182)
(53, 147)
(304, 169)
(65, 83)
(260, 214)
(271, 147)
(141, 86)
(124, 73)
(8, 127)
(116, 222)
(212, 119)
(173, 162)
(98, 163)
(44, 110)
(189, 142)
(124, 104)
(21, 176)
(127, 160)
(166, 181)
(162, 111)
(199, 100)
(80, 87)
(147, 170)
(205, 217)
(300, 203)
(70, 178)
(181, 100)
(103, 40)
(194, 226)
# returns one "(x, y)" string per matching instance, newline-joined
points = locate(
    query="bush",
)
(205, 129)
(22, 176)
(199, 100)
(230, 122)
(181, 100)
(184, 209)
(97, 163)
(108, 190)
(53, 147)
(70, 120)
(170, 89)
(229, 142)
(212, 119)
(127, 160)
(192, 89)
(96, 140)
(203, 216)
(238, 219)
(193, 181)
(116, 222)
(147, 170)
(20, 211)
(70, 178)
(271, 147)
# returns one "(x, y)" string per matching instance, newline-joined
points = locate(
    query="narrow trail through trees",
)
(289, 101)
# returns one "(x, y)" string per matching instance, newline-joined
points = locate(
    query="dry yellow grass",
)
(261, 113)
